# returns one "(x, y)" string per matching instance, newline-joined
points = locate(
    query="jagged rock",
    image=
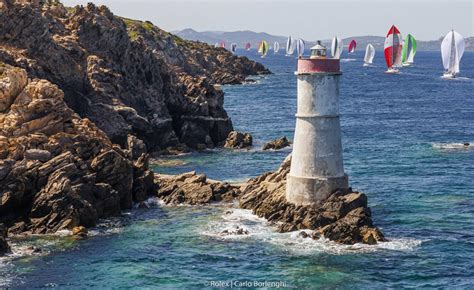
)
(276, 144)
(4, 247)
(58, 171)
(192, 188)
(37, 154)
(238, 140)
(138, 79)
(235, 231)
(344, 217)
(79, 232)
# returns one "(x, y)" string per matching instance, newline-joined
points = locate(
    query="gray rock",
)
(37, 154)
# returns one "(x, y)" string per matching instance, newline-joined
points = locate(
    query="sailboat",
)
(233, 47)
(352, 46)
(276, 47)
(369, 55)
(247, 46)
(336, 48)
(222, 44)
(452, 49)
(393, 50)
(290, 48)
(409, 50)
(263, 48)
(216, 45)
(300, 47)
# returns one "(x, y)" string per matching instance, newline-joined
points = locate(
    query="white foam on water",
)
(260, 229)
(454, 146)
(348, 59)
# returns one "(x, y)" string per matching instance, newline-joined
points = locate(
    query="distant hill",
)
(239, 37)
(242, 37)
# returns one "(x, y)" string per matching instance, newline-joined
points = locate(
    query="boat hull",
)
(392, 70)
(448, 76)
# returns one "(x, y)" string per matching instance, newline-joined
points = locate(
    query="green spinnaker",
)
(409, 49)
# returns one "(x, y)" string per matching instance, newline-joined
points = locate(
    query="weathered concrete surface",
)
(317, 169)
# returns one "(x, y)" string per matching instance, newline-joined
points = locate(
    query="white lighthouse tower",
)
(316, 167)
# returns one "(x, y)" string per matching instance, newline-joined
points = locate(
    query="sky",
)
(308, 19)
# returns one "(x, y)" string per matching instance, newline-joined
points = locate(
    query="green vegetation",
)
(148, 26)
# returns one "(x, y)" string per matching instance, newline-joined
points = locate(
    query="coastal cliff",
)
(126, 76)
(58, 170)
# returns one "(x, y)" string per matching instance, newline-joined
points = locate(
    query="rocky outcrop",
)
(238, 140)
(194, 189)
(57, 170)
(344, 217)
(126, 76)
(276, 144)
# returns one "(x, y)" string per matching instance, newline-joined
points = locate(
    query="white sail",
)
(369, 54)
(300, 47)
(276, 47)
(452, 49)
(289, 46)
(336, 47)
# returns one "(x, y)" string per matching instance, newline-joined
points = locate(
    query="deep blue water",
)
(399, 136)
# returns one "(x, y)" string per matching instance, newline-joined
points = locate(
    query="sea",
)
(403, 139)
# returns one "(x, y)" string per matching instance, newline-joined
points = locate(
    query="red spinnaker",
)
(352, 46)
(393, 47)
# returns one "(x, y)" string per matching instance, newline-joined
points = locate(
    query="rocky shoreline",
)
(79, 119)
(126, 76)
(57, 170)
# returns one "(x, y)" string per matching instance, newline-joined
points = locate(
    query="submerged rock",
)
(238, 140)
(235, 231)
(277, 144)
(344, 217)
(57, 170)
(192, 188)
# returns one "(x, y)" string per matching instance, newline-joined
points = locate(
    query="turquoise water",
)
(400, 135)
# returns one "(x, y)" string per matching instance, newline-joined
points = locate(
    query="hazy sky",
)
(426, 19)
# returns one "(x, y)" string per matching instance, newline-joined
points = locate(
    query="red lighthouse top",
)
(318, 65)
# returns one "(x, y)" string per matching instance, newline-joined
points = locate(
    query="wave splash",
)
(241, 224)
(454, 146)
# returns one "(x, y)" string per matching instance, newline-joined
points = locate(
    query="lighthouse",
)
(317, 168)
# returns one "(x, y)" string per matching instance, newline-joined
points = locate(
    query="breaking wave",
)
(454, 146)
(241, 224)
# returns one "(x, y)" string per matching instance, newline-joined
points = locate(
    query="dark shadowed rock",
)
(276, 144)
(4, 247)
(192, 188)
(238, 140)
(344, 217)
